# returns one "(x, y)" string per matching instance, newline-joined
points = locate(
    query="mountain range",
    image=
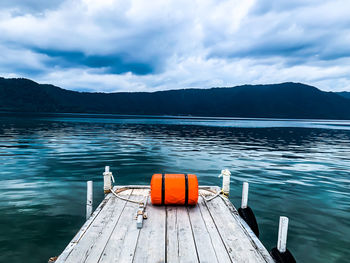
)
(285, 100)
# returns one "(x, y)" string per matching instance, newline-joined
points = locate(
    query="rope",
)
(144, 203)
(127, 199)
(211, 198)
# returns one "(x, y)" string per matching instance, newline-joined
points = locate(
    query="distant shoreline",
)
(132, 116)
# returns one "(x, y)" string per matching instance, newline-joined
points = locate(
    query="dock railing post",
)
(226, 174)
(281, 252)
(246, 212)
(107, 180)
(282, 234)
(89, 197)
(245, 191)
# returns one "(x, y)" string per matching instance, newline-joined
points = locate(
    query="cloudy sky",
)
(139, 45)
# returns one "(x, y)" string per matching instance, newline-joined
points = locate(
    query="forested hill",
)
(285, 100)
(344, 94)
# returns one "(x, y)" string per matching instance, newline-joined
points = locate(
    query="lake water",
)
(299, 169)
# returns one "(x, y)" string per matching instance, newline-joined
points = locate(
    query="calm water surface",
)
(300, 169)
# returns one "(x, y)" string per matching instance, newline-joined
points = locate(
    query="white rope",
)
(127, 199)
(144, 202)
(212, 197)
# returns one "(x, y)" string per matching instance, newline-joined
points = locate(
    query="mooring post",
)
(107, 180)
(282, 234)
(225, 181)
(245, 191)
(281, 253)
(89, 196)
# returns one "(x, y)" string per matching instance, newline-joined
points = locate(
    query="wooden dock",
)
(211, 231)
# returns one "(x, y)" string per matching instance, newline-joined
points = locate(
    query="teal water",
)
(300, 169)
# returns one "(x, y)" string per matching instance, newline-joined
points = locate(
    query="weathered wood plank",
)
(249, 233)
(209, 232)
(204, 245)
(239, 247)
(187, 247)
(64, 255)
(122, 243)
(93, 242)
(180, 230)
(141, 192)
(151, 242)
(219, 247)
(172, 244)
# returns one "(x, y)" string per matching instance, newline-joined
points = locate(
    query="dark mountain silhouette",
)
(286, 100)
(344, 94)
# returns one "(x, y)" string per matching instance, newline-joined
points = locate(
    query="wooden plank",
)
(218, 245)
(205, 249)
(172, 244)
(187, 248)
(122, 243)
(93, 242)
(141, 192)
(238, 245)
(180, 231)
(210, 232)
(250, 234)
(151, 242)
(89, 199)
(66, 252)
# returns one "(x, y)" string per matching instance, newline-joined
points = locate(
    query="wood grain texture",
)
(181, 245)
(208, 232)
(249, 233)
(151, 242)
(122, 242)
(91, 245)
(64, 255)
(172, 244)
(239, 247)
(203, 241)
(217, 242)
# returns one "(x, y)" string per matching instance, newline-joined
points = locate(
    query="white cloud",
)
(140, 45)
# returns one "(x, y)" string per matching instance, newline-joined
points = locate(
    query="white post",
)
(89, 196)
(107, 180)
(282, 234)
(245, 191)
(225, 181)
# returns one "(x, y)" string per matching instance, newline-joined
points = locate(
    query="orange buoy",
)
(174, 189)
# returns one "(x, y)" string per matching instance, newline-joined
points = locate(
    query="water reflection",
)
(296, 168)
